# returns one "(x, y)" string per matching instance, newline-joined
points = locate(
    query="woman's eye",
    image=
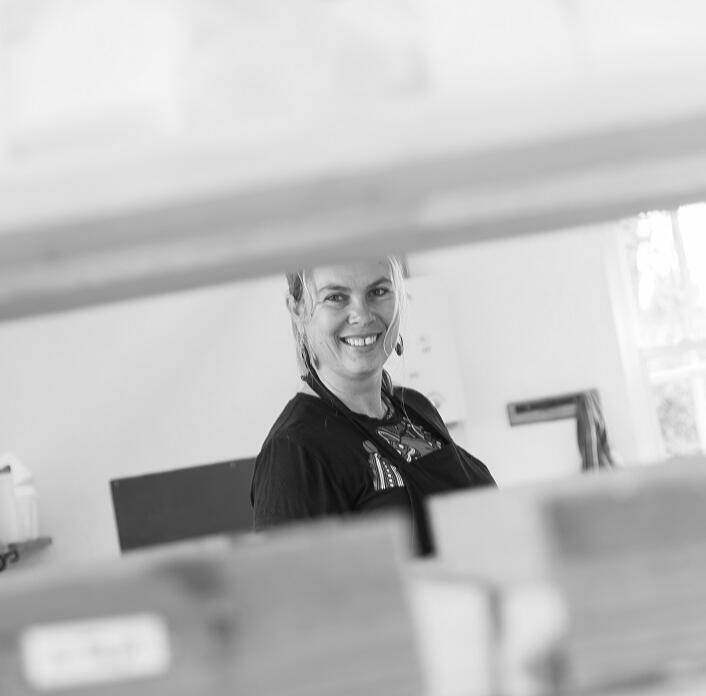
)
(336, 297)
(380, 292)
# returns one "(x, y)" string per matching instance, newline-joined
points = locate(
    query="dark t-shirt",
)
(316, 462)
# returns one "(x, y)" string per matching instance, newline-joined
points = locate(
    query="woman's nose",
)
(359, 312)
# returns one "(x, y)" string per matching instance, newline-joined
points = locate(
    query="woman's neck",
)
(364, 396)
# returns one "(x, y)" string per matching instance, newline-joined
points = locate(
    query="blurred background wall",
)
(197, 377)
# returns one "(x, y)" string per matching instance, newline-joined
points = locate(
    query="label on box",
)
(70, 654)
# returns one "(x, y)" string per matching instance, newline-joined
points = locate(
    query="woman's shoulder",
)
(302, 420)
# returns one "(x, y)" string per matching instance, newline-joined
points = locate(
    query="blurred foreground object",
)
(313, 611)
(157, 145)
(585, 586)
(598, 580)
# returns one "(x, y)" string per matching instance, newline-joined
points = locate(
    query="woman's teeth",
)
(360, 342)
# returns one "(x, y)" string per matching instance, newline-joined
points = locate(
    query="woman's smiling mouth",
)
(360, 341)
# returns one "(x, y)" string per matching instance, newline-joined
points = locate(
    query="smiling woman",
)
(349, 441)
(346, 321)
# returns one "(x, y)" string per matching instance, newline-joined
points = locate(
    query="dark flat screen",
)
(183, 503)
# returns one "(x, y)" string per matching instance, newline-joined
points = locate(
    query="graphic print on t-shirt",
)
(385, 475)
(408, 440)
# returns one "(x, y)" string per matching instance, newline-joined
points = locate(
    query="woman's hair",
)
(301, 294)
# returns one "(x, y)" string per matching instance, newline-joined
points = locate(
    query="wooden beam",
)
(442, 199)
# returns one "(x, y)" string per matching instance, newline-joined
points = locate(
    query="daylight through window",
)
(667, 255)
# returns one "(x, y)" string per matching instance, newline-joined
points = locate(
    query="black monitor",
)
(183, 503)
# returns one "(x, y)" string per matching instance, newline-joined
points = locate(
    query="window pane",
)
(692, 224)
(676, 413)
(668, 261)
(679, 386)
(657, 281)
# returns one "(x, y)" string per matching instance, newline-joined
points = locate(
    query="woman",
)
(349, 442)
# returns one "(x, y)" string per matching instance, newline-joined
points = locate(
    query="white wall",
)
(199, 377)
(534, 318)
(139, 387)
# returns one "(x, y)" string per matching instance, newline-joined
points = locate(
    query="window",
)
(667, 259)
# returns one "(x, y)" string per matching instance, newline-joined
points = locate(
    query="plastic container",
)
(9, 530)
(19, 515)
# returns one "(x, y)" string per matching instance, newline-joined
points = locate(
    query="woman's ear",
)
(295, 309)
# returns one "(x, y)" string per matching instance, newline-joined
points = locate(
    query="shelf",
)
(13, 552)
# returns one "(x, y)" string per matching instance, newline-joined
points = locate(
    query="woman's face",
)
(353, 328)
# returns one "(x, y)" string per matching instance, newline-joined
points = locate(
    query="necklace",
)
(389, 408)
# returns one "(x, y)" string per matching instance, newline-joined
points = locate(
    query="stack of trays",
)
(629, 557)
(318, 611)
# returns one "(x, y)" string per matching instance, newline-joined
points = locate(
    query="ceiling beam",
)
(426, 202)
